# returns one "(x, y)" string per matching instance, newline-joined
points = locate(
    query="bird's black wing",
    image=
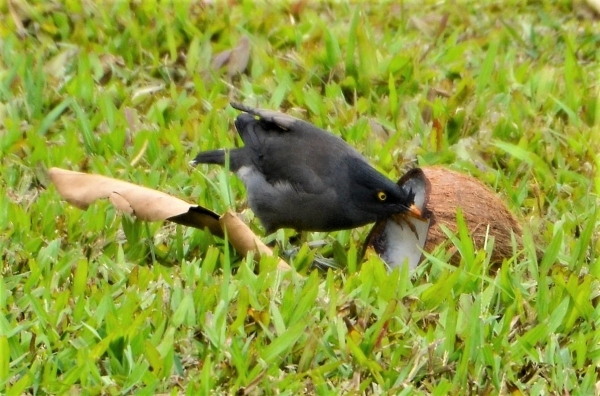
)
(288, 150)
(280, 119)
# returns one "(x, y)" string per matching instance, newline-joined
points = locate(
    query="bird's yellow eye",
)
(381, 196)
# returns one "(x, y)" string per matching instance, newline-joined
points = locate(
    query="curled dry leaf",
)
(243, 239)
(378, 130)
(236, 59)
(81, 190)
(297, 8)
(58, 65)
(594, 4)
(109, 62)
(220, 59)
(148, 90)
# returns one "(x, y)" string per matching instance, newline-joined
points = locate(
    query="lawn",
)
(97, 302)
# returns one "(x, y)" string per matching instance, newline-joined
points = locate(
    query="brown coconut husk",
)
(481, 207)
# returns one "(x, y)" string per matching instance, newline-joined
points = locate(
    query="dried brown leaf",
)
(58, 65)
(109, 62)
(427, 111)
(148, 90)
(422, 24)
(236, 59)
(220, 59)
(297, 8)
(81, 190)
(594, 4)
(120, 203)
(244, 240)
(378, 130)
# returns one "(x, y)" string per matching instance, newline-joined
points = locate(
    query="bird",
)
(302, 177)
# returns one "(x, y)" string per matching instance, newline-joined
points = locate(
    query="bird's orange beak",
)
(413, 211)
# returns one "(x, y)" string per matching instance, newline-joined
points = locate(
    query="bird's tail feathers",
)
(210, 157)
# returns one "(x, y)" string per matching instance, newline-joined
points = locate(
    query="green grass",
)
(94, 302)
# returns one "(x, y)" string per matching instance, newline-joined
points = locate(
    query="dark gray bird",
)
(302, 177)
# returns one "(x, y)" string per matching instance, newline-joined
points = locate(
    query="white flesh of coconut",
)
(403, 244)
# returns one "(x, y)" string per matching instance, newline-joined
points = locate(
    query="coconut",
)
(439, 192)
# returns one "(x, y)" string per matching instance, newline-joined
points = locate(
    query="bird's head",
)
(378, 195)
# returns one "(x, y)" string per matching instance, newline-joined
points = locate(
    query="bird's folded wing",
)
(292, 160)
(304, 158)
(280, 119)
(278, 168)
